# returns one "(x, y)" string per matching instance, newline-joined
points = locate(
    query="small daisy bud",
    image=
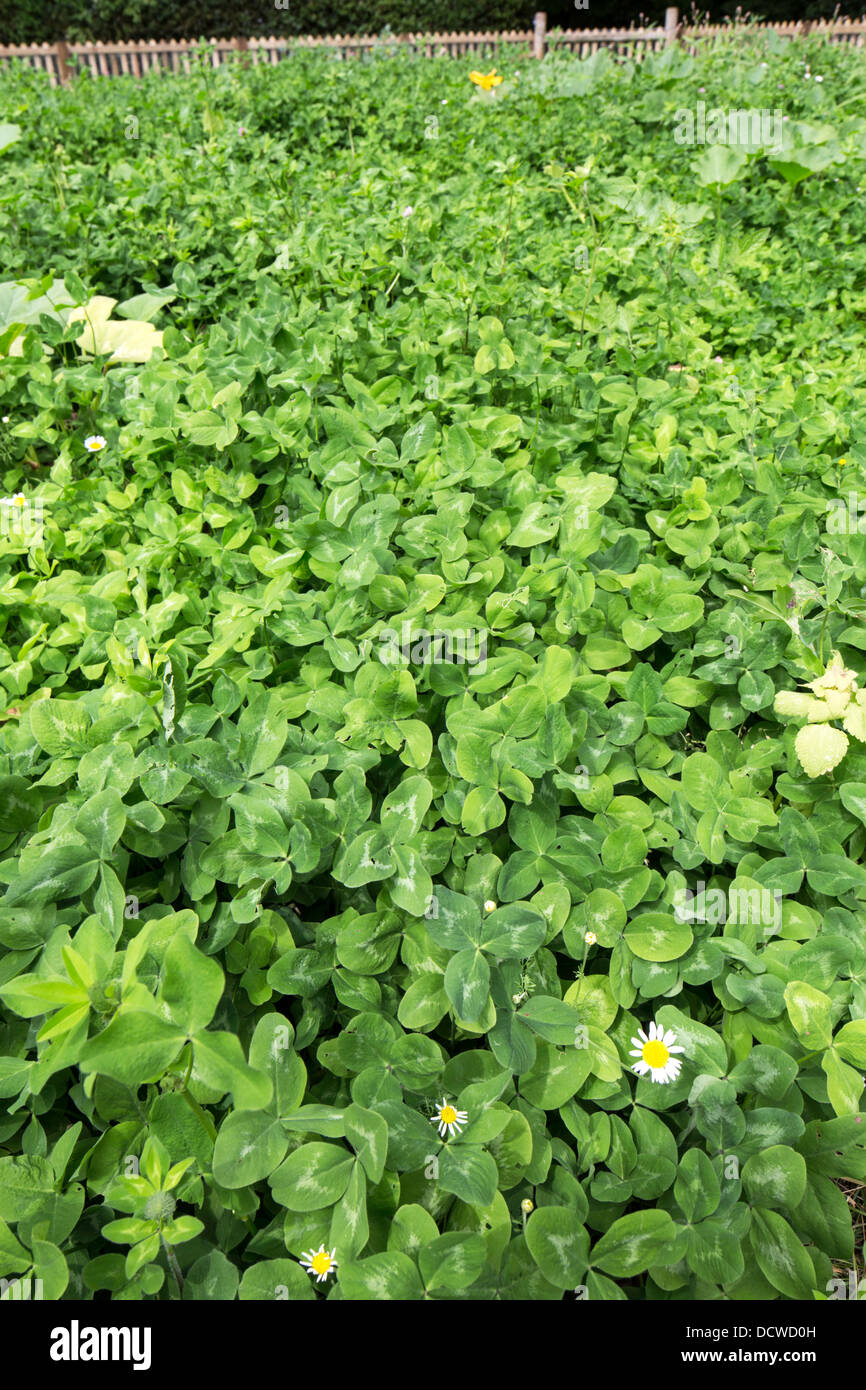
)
(527, 1206)
(490, 905)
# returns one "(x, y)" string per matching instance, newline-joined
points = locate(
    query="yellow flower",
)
(485, 80)
(319, 1262)
(449, 1119)
(655, 1054)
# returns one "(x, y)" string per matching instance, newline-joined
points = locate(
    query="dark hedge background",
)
(32, 21)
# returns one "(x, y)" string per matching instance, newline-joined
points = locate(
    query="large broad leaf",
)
(249, 1146)
(367, 1132)
(775, 1178)
(559, 1244)
(802, 162)
(780, 1255)
(467, 983)
(389, 1277)
(469, 1173)
(714, 1253)
(633, 1243)
(658, 936)
(697, 1188)
(220, 1063)
(27, 1184)
(134, 1048)
(850, 1042)
(314, 1176)
(59, 726)
(456, 921)
(719, 165)
(350, 1226)
(452, 1261)
(513, 931)
(809, 1010)
(192, 985)
(844, 1084)
(276, 1279)
(21, 306)
(129, 340)
(367, 859)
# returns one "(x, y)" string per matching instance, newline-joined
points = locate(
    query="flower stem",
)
(172, 1264)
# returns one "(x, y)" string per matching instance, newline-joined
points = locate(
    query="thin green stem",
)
(173, 1265)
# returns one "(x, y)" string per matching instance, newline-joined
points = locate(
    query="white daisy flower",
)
(319, 1262)
(407, 211)
(819, 79)
(449, 1120)
(655, 1054)
(94, 442)
(590, 938)
(5, 419)
(19, 500)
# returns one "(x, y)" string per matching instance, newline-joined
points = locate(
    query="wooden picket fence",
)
(138, 56)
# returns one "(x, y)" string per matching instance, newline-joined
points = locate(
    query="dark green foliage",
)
(276, 878)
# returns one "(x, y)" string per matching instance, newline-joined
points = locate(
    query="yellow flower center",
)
(447, 1114)
(322, 1262)
(655, 1054)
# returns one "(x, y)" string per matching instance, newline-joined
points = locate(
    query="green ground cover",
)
(427, 511)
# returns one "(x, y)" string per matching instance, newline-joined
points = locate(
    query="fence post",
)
(539, 28)
(243, 47)
(672, 24)
(62, 51)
